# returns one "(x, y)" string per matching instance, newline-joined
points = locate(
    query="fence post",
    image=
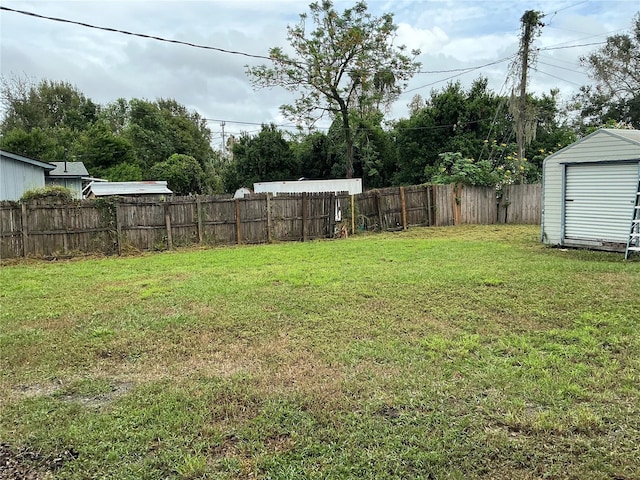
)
(332, 214)
(25, 231)
(353, 216)
(457, 203)
(379, 208)
(118, 229)
(167, 222)
(238, 222)
(429, 191)
(268, 217)
(304, 217)
(403, 203)
(199, 214)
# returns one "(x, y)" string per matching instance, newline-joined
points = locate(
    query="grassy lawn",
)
(460, 352)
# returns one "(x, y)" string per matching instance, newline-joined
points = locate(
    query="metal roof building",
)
(106, 189)
(589, 191)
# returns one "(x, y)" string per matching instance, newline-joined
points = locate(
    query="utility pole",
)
(524, 117)
(224, 143)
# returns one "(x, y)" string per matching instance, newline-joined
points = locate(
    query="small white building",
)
(589, 191)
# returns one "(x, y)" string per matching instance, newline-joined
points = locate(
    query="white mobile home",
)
(338, 185)
(589, 191)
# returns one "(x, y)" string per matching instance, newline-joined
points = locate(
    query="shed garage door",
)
(599, 201)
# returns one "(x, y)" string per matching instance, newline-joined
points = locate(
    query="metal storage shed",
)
(589, 191)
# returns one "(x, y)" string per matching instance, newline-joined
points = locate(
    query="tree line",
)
(345, 67)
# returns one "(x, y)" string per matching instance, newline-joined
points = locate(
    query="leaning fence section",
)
(120, 225)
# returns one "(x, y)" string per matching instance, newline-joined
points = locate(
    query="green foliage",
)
(50, 192)
(451, 120)
(454, 168)
(122, 141)
(35, 143)
(261, 158)
(100, 149)
(348, 62)
(46, 105)
(121, 172)
(183, 174)
(315, 155)
(476, 124)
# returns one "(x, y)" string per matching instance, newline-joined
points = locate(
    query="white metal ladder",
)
(633, 243)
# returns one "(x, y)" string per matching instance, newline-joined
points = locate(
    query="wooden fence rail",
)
(118, 225)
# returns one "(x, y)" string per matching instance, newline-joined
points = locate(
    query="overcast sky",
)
(451, 34)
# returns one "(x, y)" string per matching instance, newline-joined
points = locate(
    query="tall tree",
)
(46, 104)
(314, 156)
(347, 62)
(264, 157)
(183, 174)
(450, 120)
(615, 68)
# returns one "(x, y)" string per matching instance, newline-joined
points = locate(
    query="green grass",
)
(461, 352)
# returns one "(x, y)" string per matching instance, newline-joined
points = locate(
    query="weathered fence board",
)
(219, 221)
(11, 231)
(420, 206)
(117, 225)
(521, 204)
(445, 202)
(478, 205)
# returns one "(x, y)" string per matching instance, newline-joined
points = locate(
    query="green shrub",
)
(51, 192)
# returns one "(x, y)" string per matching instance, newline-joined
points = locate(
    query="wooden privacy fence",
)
(119, 225)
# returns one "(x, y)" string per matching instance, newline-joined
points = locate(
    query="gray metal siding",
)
(599, 201)
(603, 145)
(17, 177)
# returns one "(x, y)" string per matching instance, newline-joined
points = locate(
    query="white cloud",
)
(428, 41)
(481, 48)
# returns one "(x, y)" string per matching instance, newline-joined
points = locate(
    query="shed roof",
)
(30, 161)
(102, 189)
(631, 137)
(69, 169)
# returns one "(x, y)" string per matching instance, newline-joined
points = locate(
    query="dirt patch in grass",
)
(36, 389)
(91, 400)
(99, 400)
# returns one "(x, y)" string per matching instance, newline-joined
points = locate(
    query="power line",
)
(559, 78)
(466, 70)
(555, 12)
(560, 60)
(545, 49)
(133, 34)
(457, 69)
(562, 68)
